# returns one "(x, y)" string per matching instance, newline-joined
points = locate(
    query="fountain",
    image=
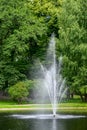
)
(52, 79)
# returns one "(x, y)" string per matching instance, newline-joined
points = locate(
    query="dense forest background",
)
(25, 30)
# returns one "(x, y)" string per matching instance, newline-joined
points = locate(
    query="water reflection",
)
(8, 122)
(46, 125)
(54, 124)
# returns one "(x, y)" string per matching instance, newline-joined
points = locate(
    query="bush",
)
(19, 92)
(32, 86)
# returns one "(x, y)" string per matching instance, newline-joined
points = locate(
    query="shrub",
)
(19, 91)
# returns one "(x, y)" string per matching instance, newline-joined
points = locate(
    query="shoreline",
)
(68, 108)
(61, 110)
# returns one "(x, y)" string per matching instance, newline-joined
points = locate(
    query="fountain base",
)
(54, 115)
(46, 116)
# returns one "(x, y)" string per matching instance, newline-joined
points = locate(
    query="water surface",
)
(11, 122)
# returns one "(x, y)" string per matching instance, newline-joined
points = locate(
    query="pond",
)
(26, 121)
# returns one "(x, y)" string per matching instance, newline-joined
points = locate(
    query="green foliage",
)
(73, 43)
(19, 91)
(21, 33)
(83, 89)
(48, 10)
(30, 84)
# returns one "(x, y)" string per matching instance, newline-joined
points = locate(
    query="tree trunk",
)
(5, 85)
(85, 97)
(68, 94)
(81, 96)
(72, 95)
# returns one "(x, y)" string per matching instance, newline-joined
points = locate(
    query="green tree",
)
(73, 43)
(20, 34)
(48, 10)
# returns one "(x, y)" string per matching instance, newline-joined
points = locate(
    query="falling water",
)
(52, 79)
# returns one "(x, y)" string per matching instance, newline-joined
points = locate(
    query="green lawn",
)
(10, 104)
(64, 107)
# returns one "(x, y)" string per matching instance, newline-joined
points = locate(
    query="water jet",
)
(52, 78)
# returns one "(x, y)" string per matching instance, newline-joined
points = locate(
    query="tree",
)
(47, 10)
(20, 31)
(73, 43)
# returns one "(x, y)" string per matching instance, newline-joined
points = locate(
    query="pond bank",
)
(68, 110)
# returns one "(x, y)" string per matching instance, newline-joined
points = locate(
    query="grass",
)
(70, 106)
(7, 102)
(10, 104)
(73, 105)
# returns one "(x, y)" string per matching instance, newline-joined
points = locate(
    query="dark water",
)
(7, 122)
